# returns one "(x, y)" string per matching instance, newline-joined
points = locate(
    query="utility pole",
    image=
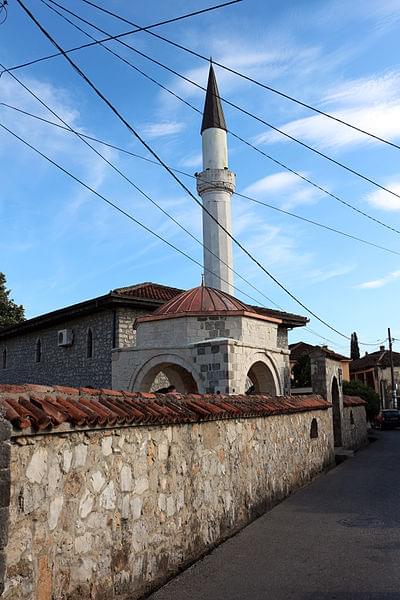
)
(394, 394)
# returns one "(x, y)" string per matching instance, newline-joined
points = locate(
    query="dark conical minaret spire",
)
(213, 115)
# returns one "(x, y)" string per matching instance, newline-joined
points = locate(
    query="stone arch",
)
(263, 376)
(336, 413)
(178, 372)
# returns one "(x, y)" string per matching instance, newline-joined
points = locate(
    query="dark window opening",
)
(89, 344)
(38, 351)
(4, 360)
(314, 429)
(351, 418)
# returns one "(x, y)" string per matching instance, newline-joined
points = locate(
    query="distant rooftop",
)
(300, 348)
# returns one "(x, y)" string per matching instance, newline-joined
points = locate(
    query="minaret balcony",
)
(215, 179)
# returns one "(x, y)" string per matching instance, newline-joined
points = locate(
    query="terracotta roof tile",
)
(353, 401)
(149, 291)
(200, 300)
(42, 408)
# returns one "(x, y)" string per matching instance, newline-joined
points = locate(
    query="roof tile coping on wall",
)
(353, 401)
(40, 408)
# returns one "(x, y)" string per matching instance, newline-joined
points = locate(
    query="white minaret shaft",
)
(215, 185)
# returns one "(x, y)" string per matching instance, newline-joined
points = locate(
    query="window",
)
(38, 351)
(351, 418)
(314, 429)
(4, 359)
(89, 344)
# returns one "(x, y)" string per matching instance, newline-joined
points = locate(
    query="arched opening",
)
(314, 429)
(164, 375)
(337, 424)
(89, 344)
(38, 350)
(260, 380)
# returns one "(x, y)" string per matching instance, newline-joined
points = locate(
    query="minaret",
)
(215, 185)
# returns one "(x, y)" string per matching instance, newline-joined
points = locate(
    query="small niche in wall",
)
(314, 429)
(351, 418)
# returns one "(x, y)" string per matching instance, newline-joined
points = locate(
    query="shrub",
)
(357, 388)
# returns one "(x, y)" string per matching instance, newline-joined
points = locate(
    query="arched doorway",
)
(164, 374)
(260, 380)
(337, 422)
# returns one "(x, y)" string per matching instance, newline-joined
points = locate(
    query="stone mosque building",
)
(202, 340)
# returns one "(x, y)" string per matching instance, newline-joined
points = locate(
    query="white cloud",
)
(372, 104)
(272, 183)
(385, 201)
(320, 275)
(285, 187)
(192, 162)
(162, 129)
(378, 283)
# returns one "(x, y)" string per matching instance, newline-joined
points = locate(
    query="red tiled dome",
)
(202, 300)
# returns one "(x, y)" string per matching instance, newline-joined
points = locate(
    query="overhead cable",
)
(186, 174)
(249, 144)
(113, 204)
(121, 35)
(250, 79)
(173, 175)
(67, 127)
(132, 218)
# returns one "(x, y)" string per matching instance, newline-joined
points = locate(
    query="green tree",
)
(357, 388)
(302, 372)
(10, 313)
(354, 347)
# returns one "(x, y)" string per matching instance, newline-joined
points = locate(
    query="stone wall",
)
(5, 484)
(354, 427)
(112, 513)
(67, 365)
(125, 333)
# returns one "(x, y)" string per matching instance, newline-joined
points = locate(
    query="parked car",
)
(388, 419)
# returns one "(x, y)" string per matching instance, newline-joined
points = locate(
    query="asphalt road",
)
(338, 538)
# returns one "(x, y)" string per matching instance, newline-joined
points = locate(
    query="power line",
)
(237, 107)
(139, 223)
(279, 163)
(120, 35)
(112, 204)
(3, 11)
(250, 79)
(175, 177)
(244, 196)
(67, 127)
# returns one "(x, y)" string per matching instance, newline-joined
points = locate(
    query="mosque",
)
(205, 340)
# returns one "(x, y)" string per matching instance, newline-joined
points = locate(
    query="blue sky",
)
(60, 245)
